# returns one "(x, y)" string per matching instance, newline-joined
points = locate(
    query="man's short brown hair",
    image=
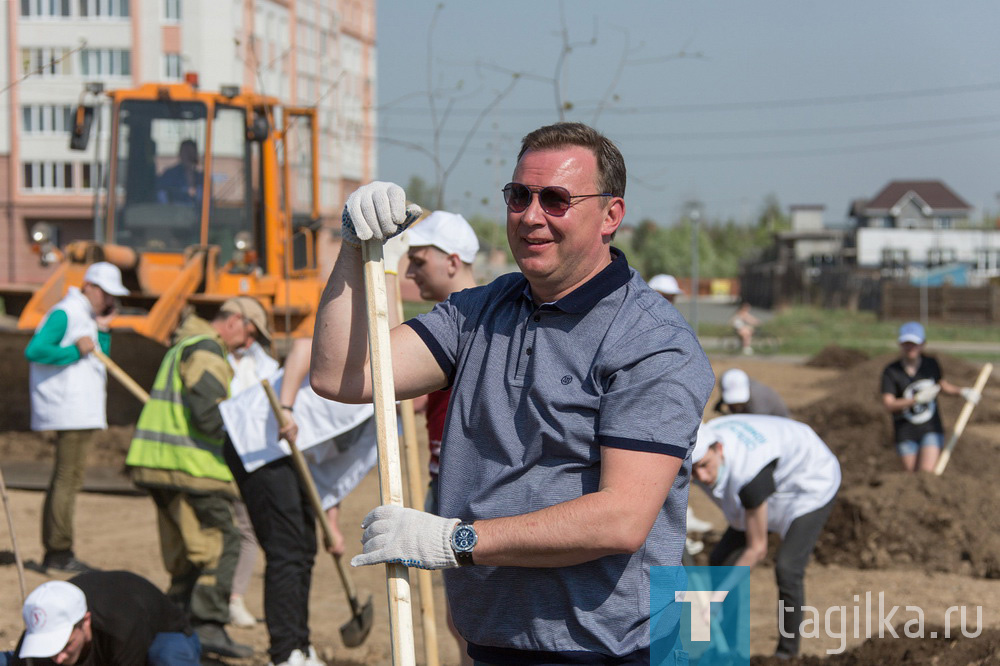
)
(610, 163)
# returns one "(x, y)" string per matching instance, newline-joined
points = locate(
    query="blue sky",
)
(816, 103)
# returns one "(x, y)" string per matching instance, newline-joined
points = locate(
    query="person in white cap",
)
(666, 285)
(767, 474)
(443, 247)
(910, 386)
(68, 395)
(104, 617)
(742, 395)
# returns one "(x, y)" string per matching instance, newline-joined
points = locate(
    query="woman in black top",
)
(910, 387)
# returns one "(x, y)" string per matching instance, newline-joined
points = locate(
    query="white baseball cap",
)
(705, 440)
(107, 277)
(735, 387)
(50, 613)
(448, 232)
(665, 284)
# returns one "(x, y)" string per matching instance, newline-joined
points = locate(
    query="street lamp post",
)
(694, 215)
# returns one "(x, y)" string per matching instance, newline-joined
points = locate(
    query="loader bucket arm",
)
(66, 274)
(162, 318)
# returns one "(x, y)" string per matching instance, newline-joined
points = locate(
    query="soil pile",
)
(835, 356)
(954, 651)
(935, 522)
(858, 429)
(887, 519)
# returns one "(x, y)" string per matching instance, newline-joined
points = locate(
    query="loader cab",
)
(183, 174)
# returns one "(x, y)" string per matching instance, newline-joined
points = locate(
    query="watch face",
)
(464, 538)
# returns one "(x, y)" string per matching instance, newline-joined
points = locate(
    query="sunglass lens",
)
(517, 196)
(554, 200)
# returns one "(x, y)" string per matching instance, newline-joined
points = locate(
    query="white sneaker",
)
(312, 659)
(695, 524)
(296, 658)
(239, 616)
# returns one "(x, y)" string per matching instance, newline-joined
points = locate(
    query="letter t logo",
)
(701, 617)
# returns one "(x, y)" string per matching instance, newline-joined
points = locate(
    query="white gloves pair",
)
(377, 211)
(927, 394)
(405, 536)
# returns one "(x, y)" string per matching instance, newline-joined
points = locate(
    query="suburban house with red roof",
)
(912, 204)
(920, 229)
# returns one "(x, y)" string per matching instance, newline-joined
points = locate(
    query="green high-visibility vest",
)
(165, 437)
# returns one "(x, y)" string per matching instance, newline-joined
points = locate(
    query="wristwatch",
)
(463, 542)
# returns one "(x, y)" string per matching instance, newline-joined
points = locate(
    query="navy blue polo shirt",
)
(536, 392)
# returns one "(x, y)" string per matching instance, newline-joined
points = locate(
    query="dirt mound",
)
(835, 356)
(958, 650)
(885, 518)
(901, 520)
(856, 427)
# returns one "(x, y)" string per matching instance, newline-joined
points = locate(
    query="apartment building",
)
(307, 52)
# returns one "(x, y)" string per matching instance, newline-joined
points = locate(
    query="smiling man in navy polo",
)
(577, 392)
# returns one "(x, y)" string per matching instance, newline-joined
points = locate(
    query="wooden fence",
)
(968, 305)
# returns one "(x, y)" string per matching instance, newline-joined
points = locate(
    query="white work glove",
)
(970, 394)
(406, 536)
(927, 394)
(393, 252)
(377, 210)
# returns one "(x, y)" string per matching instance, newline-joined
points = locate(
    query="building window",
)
(47, 176)
(46, 118)
(85, 176)
(45, 8)
(172, 10)
(988, 261)
(940, 256)
(104, 8)
(172, 66)
(46, 61)
(106, 62)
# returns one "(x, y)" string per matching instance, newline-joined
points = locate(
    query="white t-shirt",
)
(806, 477)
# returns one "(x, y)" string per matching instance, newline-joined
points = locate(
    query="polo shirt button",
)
(528, 351)
(538, 318)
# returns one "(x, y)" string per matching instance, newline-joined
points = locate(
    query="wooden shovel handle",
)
(963, 419)
(121, 375)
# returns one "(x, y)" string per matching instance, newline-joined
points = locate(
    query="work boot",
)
(215, 640)
(64, 561)
(239, 616)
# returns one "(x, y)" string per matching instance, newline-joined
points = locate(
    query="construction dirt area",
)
(925, 544)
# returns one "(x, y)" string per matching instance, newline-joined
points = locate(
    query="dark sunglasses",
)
(553, 199)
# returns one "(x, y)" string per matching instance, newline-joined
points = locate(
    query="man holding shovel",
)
(576, 396)
(176, 454)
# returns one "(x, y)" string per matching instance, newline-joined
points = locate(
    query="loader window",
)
(231, 206)
(159, 181)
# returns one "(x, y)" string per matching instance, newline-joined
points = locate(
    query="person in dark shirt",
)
(104, 618)
(910, 387)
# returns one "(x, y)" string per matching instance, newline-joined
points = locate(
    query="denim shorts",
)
(910, 447)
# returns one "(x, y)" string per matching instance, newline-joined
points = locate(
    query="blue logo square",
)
(695, 616)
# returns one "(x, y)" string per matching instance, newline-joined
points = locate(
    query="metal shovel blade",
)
(356, 630)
